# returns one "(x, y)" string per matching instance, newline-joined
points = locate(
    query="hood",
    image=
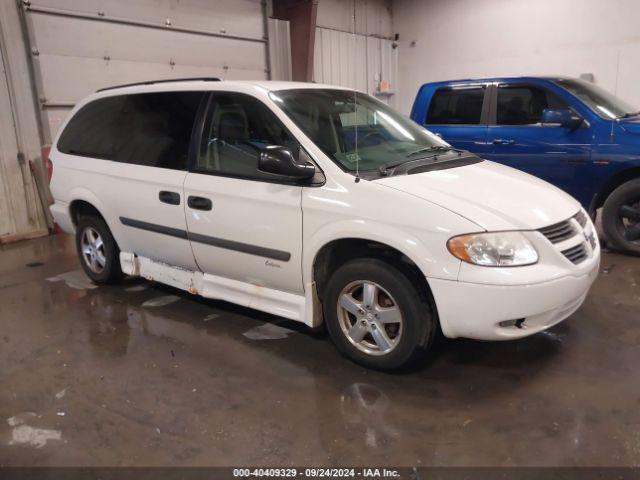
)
(493, 196)
(631, 125)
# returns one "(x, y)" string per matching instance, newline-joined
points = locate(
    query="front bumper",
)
(474, 310)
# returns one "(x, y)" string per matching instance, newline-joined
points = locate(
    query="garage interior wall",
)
(79, 47)
(481, 38)
(21, 212)
(367, 60)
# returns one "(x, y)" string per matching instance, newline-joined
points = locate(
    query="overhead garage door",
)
(79, 47)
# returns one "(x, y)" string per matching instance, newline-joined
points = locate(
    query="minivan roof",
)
(182, 83)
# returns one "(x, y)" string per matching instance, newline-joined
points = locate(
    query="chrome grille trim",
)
(576, 254)
(558, 232)
(573, 237)
(581, 218)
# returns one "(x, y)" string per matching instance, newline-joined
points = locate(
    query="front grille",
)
(576, 254)
(581, 218)
(558, 232)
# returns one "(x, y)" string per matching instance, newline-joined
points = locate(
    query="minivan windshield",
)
(603, 103)
(356, 130)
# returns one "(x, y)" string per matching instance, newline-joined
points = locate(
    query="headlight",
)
(502, 249)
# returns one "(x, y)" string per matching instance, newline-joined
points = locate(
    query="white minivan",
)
(321, 205)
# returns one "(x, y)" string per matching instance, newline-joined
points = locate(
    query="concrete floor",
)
(111, 376)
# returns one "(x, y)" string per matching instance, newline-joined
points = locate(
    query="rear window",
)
(152, 129)
(456, 106)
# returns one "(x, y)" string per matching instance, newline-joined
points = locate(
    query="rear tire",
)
(377, 317)
(98, 251)
(621, 218)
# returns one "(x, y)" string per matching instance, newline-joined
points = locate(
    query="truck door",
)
(458, 115)
(519, 139)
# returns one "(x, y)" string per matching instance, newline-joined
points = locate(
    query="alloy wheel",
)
(370, 317)
(92, 248)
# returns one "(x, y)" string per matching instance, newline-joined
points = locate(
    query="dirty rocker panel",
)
(206, 239)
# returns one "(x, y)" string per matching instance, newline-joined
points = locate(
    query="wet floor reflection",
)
(201, 382)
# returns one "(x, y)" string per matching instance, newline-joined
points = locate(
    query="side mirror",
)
(563, 117)
(280, 161)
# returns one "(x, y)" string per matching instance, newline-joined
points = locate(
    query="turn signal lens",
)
(501, 249)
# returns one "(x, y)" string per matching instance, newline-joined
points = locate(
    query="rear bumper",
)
(62, 216)
(476, 311)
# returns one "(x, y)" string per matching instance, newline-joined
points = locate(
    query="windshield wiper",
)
(433, 148)
(630, 114)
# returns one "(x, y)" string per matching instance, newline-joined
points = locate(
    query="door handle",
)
(503, 141)
(172, 198)
(199, 203)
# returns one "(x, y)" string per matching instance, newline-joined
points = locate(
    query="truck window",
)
(456, 106)
(523, 105)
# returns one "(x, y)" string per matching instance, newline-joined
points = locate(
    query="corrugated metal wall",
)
(79, 47)
(280, 49)
(365, 60)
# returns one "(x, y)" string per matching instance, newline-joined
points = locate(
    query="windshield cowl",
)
(444, 161)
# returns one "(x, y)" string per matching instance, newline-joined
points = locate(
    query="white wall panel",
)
(20, 209)
(359, 60)
(354, 61)
(280, 49)
(483, 38)
(373, 17)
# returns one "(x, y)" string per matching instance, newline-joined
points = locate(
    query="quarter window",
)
(238, 127)
(523, 105)
(456, 106)
(152, 129)
(91, 131)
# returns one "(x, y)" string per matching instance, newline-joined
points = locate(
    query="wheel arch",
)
(617, 179)
(338, 251)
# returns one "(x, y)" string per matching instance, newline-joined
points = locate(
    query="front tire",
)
(621, 218)
(376, 315)
(98, 251)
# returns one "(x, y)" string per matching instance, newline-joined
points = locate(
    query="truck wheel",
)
(376, 316)
(99, 254)
(621, 217)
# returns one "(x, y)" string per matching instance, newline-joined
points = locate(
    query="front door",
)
(243, 224)
(519, 139)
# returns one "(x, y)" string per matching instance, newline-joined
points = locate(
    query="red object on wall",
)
(47, 161)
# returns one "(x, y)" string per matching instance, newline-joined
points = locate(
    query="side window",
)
(523, 105)
(456, 106)
(237, 128)
(91, 131)
(154, 129)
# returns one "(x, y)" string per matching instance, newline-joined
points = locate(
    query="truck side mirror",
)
(563, 117)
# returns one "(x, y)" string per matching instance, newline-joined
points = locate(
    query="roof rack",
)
(151, 82)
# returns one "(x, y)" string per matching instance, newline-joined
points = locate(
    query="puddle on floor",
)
(267, 331)
(75, 279)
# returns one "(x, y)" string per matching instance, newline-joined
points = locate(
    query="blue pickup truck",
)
(566, 131)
